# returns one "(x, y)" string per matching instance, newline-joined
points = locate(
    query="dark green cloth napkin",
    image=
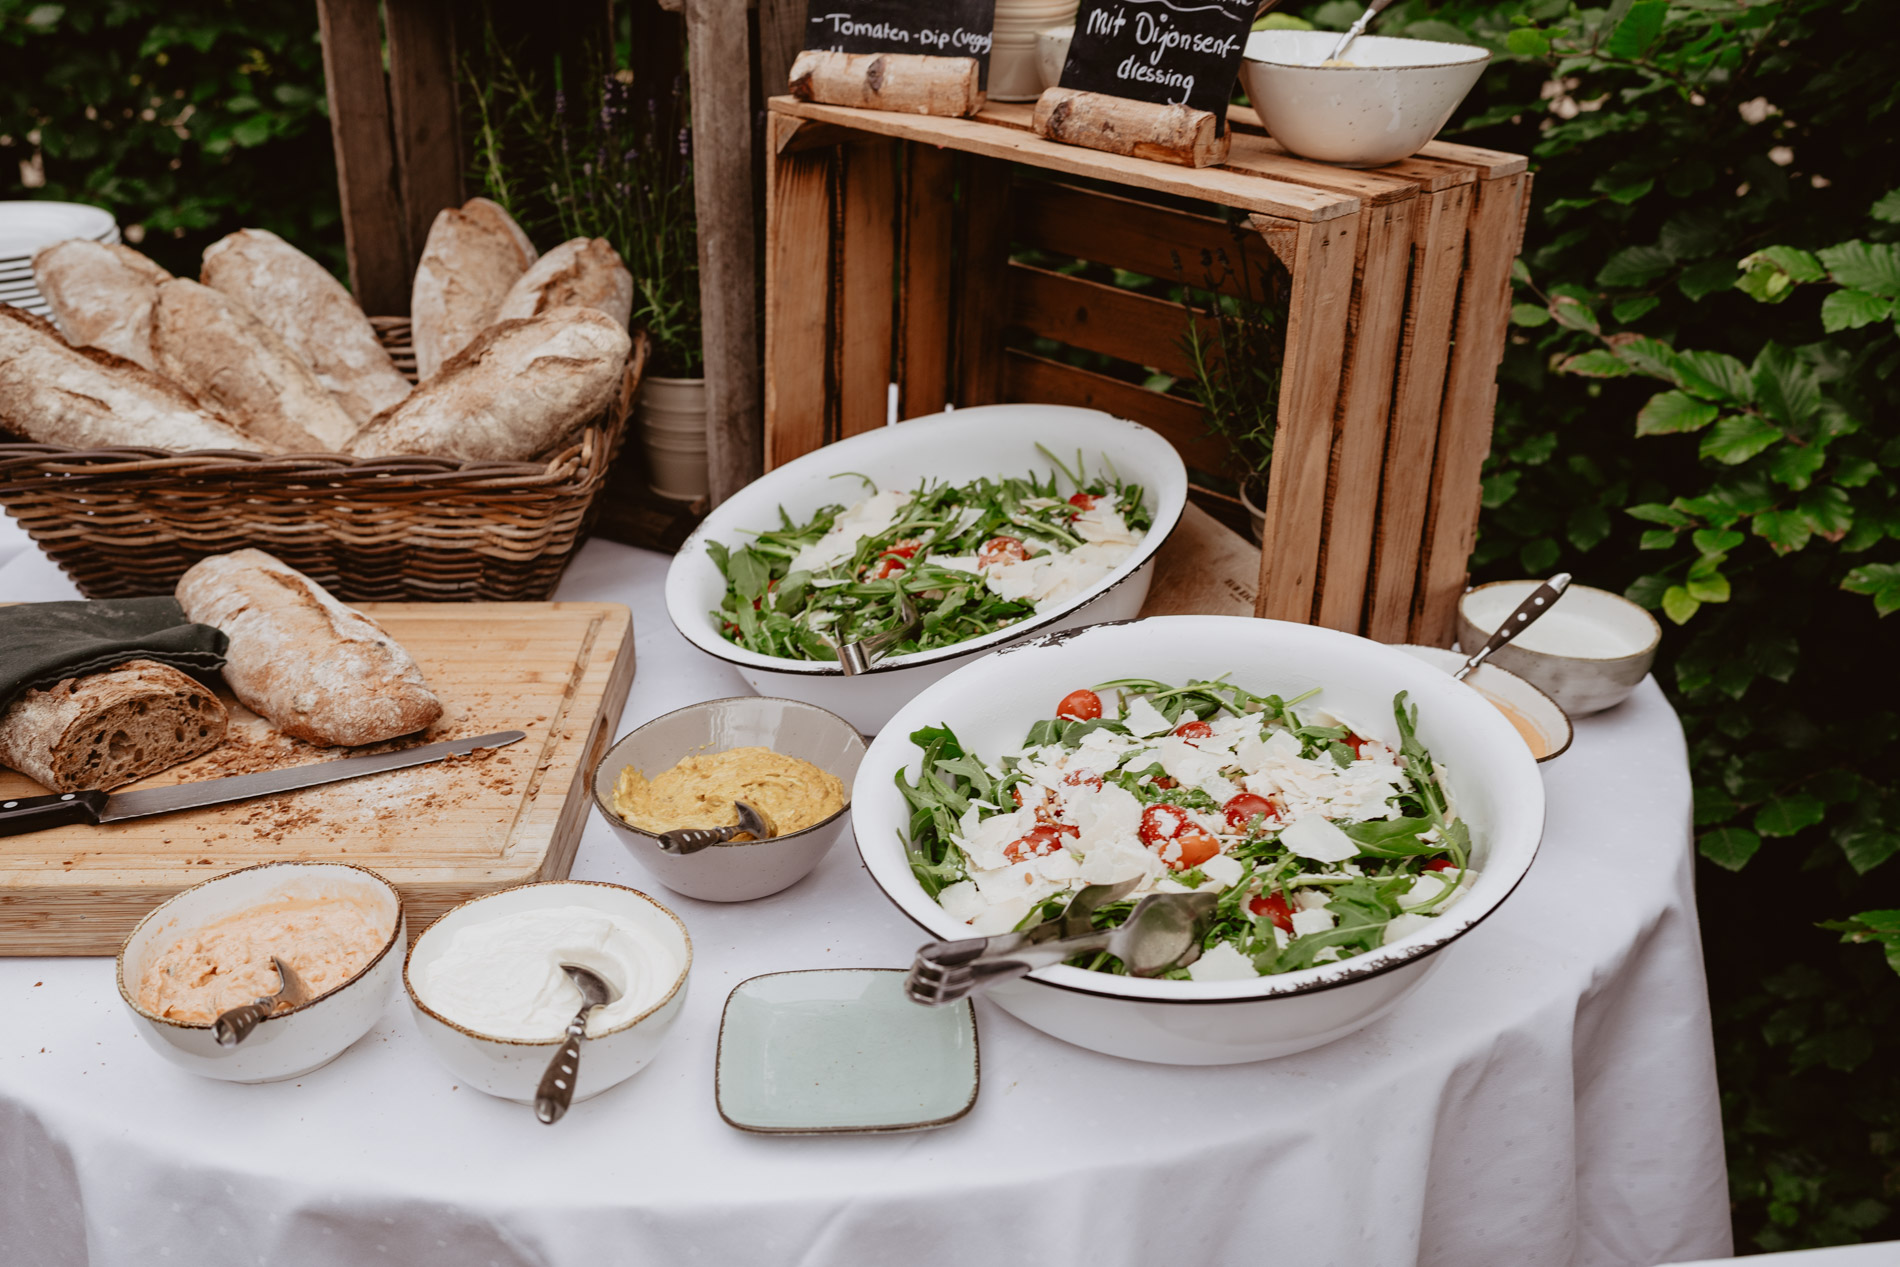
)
(42, 644)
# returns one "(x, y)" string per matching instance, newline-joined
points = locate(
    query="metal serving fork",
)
(858, 657)
(1162, 932)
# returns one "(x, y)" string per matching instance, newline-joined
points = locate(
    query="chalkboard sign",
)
(930, 28)
(1170, 52)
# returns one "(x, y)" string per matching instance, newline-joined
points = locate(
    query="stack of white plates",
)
(25, 227)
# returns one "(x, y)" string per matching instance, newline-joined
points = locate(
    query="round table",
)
(1547, 1097)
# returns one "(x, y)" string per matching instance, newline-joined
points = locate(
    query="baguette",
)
(312, 313)
(512, 394)
(232, 361)
(584, 272)
(313, 668)
(473, 255)
(108, 729)
(53, 393)
(101, 295)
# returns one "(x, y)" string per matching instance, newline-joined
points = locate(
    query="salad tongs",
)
(1162, 932)
(858, 657)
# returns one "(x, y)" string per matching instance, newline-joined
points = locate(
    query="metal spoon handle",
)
(685, 840)
(1358, 28)
(556, 1091)
(1539, 602)
(234, 1026)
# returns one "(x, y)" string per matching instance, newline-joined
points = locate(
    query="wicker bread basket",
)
(124, 521)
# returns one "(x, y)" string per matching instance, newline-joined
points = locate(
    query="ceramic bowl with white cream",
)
(1385, 103)
(990, 442)
(208, 949)
(1588, 652)
(1489, 773)
(486, 987)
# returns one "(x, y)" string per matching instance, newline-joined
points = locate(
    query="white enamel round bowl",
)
(289, 1044)
(994, 440)
(511, 1068)
(1385, 107)
(991, 704)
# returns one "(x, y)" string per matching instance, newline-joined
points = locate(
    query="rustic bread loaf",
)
(53, 393)
(312, 313)
(108, 729)
(221, 353)
(583, 272)
(513, 393)
(313, 668)
(473, 255)
(101, 295)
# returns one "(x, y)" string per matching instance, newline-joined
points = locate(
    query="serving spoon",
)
(684, 840)
(556, 1091)
(858, 657)
(235, 1025)
(1357, 29)
(1541, 600)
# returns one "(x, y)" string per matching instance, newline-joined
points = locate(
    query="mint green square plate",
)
(842, 1050)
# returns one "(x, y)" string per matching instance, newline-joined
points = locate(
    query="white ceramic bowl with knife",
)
(955, 447)
(991, 704)
(289, 1043)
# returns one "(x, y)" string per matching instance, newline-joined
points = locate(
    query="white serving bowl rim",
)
(685, 967)
(1518, 682)
(699, 631)
(1458, 921)
(1476, 53)
(395, 931)
(593, 781)
(1649, 648)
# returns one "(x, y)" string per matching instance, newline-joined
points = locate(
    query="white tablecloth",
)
(1548, 1097)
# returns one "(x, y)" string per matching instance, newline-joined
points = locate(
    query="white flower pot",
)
(672, 416)
(1253, 486)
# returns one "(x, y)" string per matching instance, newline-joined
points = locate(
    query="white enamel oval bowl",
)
(1385, 107)
(993, 440)
(991, 704)
(511, 1068)
(289, 1044)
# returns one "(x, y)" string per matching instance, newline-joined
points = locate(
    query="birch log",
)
(907, 83)
(1140, 129)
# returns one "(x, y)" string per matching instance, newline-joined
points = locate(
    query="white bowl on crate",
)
(1384, 107)
(992, 440)
(992, 703)
(291, 1043)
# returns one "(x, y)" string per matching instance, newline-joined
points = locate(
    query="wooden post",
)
(982, 295)
(797, 291)
(865, 263)
(426, 118)
(923, 319)
(781, 36)
(719, 49)
(375, 231)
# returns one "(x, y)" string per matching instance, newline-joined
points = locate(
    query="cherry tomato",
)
(1082, 501)
(904, 549)
(1077, 778)
(1080, 705)
(1357, 744)
(1274, 907)
(1441, 864)
(885, 568)
(1162, 822)
(1194, 730)
(731, 629)
(1000, 550)
(1036, 843)
(1196, 847)
(1244, 808)
(1166, 784)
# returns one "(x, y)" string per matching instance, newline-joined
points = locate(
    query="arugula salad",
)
(973, 557)
(1323, 844)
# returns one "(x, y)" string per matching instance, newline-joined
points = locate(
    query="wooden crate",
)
(889, 243)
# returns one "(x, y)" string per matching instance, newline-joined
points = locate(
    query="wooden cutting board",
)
(442, 833)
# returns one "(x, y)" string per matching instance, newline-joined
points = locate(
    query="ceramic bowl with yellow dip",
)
(791, 761)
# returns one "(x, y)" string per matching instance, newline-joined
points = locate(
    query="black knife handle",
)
(22, 814)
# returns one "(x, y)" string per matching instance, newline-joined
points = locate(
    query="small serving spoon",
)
(858, 657)
(1357, 29)
(234, 1026)
(684, 840)
(556, 1091)
(1540, 601)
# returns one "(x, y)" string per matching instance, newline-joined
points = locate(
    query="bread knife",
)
(22, 814)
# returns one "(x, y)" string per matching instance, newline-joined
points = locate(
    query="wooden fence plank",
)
(1037, 380)
(1418, 398)
(797, 295)
(424, 113)
(1378, 312)
(781, 36)
(1084, 314)
(924, 297)
(1471, 386)
(374, 231)
(720, 55)
(1303, 438)
(982, 290)
(864, 266)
